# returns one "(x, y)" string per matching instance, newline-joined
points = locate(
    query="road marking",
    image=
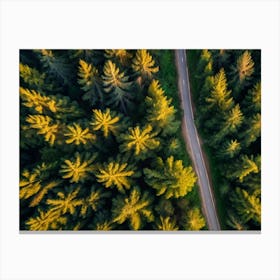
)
(182, 59)
(183, 81)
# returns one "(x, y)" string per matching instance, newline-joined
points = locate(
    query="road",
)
(191, 137)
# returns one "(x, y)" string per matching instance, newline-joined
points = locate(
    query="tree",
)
(243, 70)
(166, 224)
(170, 178)
(122, 55)
(37, 183)
(49, 220)
(139, 141)
(235, 222)
(220, 97)
(233, 119)
(248, 206)
(116, 174)
(195, 220)
(44, 127)
(117, 85)
(144, 65)
(65, 203)
(252, 100)
(253, 129)
(31, 76)
(133, 208)
(160, 113)
(107, 121)
(90, 82)
(230, 149)
(78, 169)
(77, 135)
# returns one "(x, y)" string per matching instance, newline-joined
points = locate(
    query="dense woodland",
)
(101, 145)
(226, 86)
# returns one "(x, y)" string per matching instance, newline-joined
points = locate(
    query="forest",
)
(226, 89)
(101, 145)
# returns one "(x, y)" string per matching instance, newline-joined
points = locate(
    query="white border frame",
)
(146, 24)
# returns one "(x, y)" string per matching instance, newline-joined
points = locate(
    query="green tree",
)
(117, 85)
(31, 76)
(253, 130)
(90, 82)
(248, 206)
(230, 149)
(170, 178)
(133, 209)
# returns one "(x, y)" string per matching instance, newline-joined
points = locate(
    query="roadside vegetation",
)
(226, 88)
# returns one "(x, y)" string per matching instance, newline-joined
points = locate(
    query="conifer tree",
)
(90, 82)
(230, 149)
(144, 65)
(77, 135)
(220, 96)
(195, 220)
(133, 208)
(78, 168)
(233, 119)
(107, 121)
(160, 112)
(139, 141)
(170, 178)
(117, 85)
(116, 174)
(253, 129)
(31, 76)
(166, 224)
(123, 56)
(44, 127)
(248, 206)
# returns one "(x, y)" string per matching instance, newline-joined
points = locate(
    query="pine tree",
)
(90, 82)
(133, 208)
(220, 96)
(139, 141)
(65, 203)
(77, 135)
(37, 183)
(123, 56)
(166, 224)
(44, 127)
(117, 85)
(230, 149)
(160, 112)
(235, 222)
(49, 220)
(248, 206)
(144, 65)
(244, 69)
(170, 178)
(233, 119)
(253, 129)
(79, 168)
(31, 76)
(116, 174)
(107, 121)
(195, 220)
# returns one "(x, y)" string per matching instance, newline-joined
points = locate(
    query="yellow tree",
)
(160, 112)
(233, 119)
(36, 183)
(133, 209)
(230, 149)
(170, 178)
(79, 168)
(220, 96)
(144, 65)
(90, 82)
(139, 141)
(122, 55)
(116, 174)
(117, 85)
(43, 126)
(253, 130)
(166, 224)
(77, 135)
(107, 121)
(31, 76)
(194, 220)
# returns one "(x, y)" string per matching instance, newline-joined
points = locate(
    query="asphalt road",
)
(194, 144)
